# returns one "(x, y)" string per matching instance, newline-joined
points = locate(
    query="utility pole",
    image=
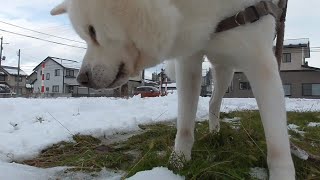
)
(1, 48)
(18, 81)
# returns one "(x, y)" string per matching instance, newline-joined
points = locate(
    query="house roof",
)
(13, 71)
(303, 42)
(32, 73)
(65, 63)
(310, 67)
(172, 85)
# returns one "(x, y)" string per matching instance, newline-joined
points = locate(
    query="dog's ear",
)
(60, 9)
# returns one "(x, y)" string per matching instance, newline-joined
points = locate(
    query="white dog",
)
(127, 36)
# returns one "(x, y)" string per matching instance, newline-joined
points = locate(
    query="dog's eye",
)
(92, 33)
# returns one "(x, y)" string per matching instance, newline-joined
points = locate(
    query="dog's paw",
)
(285, 173)
(177, 160)
(214, 128)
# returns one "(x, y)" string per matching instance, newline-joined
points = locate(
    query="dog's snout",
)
(83, 78)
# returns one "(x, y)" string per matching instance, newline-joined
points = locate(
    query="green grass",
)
(227, 155)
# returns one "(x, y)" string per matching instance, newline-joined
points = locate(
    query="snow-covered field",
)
(28, 126)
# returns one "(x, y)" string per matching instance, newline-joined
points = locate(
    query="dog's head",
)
(123, 37)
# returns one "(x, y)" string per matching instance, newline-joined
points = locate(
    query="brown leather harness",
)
(250, 15)
(254, 13)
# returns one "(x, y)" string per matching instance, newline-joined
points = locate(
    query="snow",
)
(313, 124)
(17, 171)
(288, 42)
(28, 126)
(14, 70)
(158, 173)
(300, 153)
(70, 64)
(172, 85)
(294, 128)
(259, 173)
(235, 122)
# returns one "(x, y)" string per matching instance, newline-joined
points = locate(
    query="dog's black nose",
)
(83, 79)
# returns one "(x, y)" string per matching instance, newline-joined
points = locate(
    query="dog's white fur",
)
(143, 33)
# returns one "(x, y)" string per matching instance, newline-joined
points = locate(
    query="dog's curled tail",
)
(170, 69)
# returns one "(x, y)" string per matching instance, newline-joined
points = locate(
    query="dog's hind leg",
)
(188, 77)
(267, 87)
(222, 78)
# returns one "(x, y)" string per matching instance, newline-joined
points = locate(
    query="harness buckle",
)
(255, 12)
(239, 19)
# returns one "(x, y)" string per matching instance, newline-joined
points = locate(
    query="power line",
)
(42, 39)
(41, 32)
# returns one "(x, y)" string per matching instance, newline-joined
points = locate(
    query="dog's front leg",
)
(222, 78)
(188, 77)
(267, 88)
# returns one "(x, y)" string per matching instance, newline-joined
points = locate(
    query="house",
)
(206, 82)
(59, 76)
(60, 80)
(31, 79)
(299, 79)
(14, 78)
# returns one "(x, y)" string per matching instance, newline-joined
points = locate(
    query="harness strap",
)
(283, 4)
(250, 15)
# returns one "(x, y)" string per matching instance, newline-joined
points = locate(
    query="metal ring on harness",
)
(235, 19)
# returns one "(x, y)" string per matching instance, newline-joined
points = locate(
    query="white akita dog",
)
(127, 36)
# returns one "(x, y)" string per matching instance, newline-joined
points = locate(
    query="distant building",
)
(9, 76)
(206, 82)
(299, 79)
(60, 78)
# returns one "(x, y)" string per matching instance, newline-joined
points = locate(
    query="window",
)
(55, 89)
(315, 89)
(311, 89)
(69, 73)
(18, 79)
(20, 91)
(286, 58)
(2, 78)
(244, 86)
(70, 89)
(57, 72)
(48, 76)
(287, 89)
(47, 89)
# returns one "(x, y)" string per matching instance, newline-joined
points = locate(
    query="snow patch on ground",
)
(294, 128)
(28, 126)
(314, 124)
(300, 153)
(158, 173)
(14, 171)
(235, 122)
(259, 173)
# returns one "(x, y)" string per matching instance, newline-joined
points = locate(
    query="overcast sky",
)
(303, 21)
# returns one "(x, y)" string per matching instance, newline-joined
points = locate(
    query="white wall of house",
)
(53, 80)
(297, 59)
